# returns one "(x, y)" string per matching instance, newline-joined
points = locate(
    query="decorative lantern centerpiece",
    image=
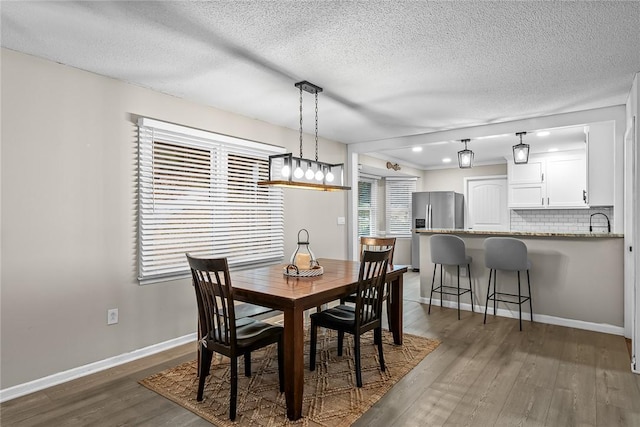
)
(303, 263)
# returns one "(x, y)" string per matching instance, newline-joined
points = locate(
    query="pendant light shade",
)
(285, 170)
(521, 151)
(465, 157)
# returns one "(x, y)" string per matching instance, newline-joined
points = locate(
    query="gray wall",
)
(68, 214)
(577, 279)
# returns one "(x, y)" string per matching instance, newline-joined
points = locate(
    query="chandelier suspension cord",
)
(316, 125)
(301, 122)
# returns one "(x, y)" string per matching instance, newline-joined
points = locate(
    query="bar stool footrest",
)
(462, 290)
(523, 298)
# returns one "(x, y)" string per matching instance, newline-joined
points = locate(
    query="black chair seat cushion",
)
(341, 317)
(335, 318)
(250, 332)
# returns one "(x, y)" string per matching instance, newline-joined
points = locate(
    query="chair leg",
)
(340, 342)
(356, 355)
(441, 284)
(495, 292)
(205, 365)
(470, 289)
(458, 292)
(281, 362)
(388, 289)
(378, 332)
(486, 305)
(312, 345)
(530, 303)
(519, 301)
(234, 388)
(247, 364)
(433, 280)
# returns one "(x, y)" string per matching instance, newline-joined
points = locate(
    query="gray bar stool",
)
(447, 249)
(507, 254)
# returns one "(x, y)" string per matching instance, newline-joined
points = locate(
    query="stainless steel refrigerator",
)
(437, 210)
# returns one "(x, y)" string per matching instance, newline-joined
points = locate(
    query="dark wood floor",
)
(481, 375)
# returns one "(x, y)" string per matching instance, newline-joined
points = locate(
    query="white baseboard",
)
(91, 368)
(541, 318)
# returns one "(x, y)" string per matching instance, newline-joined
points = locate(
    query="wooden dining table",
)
(270, 287)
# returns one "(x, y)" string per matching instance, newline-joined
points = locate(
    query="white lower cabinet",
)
(557, 180)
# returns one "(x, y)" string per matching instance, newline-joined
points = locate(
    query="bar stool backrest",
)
(505, 253)
(447, 249)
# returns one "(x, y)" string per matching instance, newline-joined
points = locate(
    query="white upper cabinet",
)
(567, 181)
(600, 143)
(528, 173)
(557, 180)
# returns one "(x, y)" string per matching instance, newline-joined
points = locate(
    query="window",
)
(398, 206)
(198, 193)
(367, 207)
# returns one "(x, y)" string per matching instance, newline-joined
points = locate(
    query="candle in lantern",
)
(303, 261)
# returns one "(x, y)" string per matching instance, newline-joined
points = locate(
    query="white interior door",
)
(486, 206)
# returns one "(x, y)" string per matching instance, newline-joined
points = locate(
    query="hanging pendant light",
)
(307, 173)
(521, 151)
(465, 157)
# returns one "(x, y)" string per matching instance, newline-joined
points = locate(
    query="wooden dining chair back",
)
(364, 317)
(377, 244)
(221, 332)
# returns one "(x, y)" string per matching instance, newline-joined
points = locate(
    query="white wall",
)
(68, 212)
(453, 179)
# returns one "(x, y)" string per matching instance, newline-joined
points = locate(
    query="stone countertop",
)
(516, 233)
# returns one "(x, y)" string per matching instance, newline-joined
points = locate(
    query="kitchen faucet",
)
(608, 223)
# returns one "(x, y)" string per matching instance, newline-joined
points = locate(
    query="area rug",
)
(331, 397)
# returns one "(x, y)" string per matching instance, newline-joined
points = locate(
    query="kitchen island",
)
(577, 279)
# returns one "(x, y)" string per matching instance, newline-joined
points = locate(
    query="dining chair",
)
(376, 244)
(221, 332)
(364, 317)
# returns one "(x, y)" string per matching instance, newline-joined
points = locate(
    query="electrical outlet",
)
(112, 316)
(340, 220)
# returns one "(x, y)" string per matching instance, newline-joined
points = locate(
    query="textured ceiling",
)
(389, 69)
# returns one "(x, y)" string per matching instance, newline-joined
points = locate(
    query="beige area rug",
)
(331, 397)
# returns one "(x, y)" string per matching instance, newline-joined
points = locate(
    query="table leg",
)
(294, 361)
(396, 308)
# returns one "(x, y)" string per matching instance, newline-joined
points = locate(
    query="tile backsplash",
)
(560, 220)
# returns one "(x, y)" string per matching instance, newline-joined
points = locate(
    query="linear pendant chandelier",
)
(285, 170)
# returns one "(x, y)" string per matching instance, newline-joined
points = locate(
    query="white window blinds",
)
(198, 193)
(398, 206)
(367, 207)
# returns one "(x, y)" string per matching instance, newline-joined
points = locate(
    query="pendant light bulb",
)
(286, 171)
(309, 173)
(319, 175)
(298, 172)
(329, 177)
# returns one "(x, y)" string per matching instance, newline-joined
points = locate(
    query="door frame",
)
(632, 240)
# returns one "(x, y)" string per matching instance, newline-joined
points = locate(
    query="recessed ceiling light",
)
(446, 160)
(551, 150)
(543, 133)
(492, 136)
(416, 149)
